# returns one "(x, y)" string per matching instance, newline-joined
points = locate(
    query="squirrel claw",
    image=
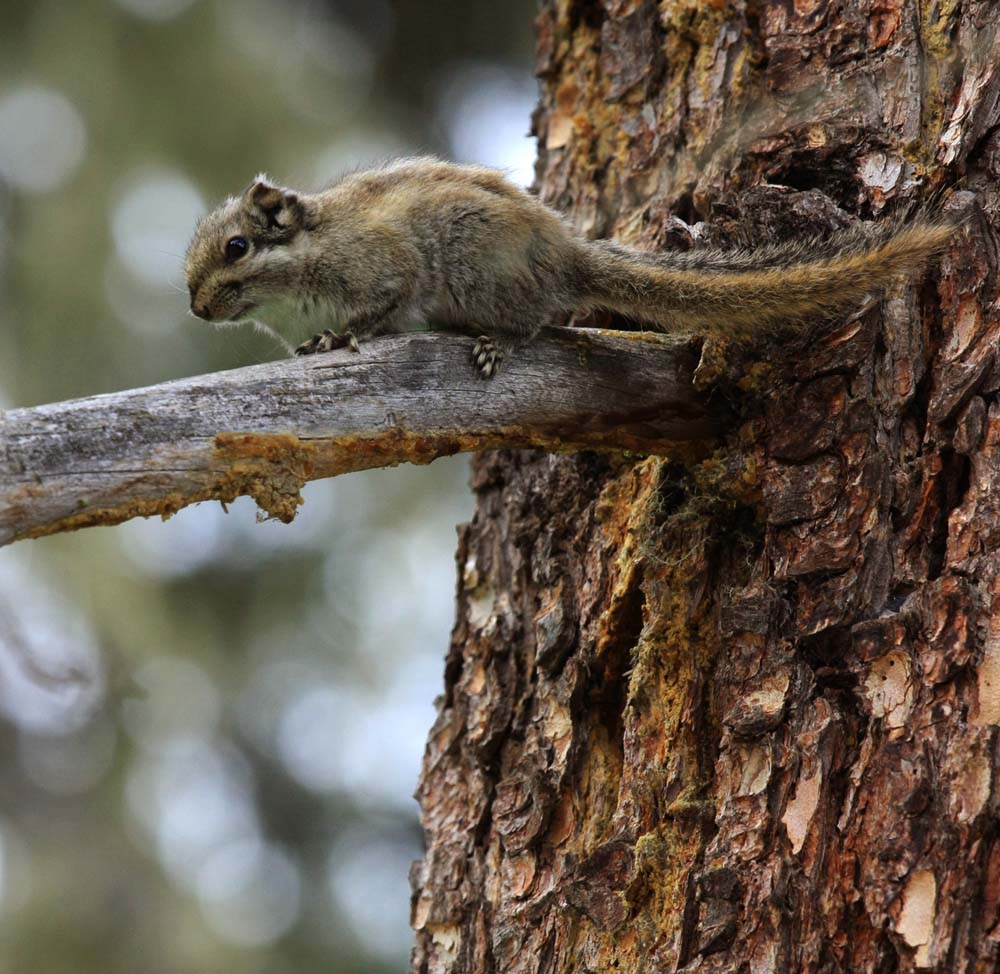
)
(327, 341)
(487, 356)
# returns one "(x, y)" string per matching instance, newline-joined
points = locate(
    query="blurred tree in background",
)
(210, 730)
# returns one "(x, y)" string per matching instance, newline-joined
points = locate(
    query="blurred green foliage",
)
(210, 728)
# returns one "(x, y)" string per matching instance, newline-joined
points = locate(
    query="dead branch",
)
(267, 429)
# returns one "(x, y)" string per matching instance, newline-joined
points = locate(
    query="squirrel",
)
(421, 239)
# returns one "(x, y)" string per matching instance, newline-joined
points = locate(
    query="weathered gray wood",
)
(267, 429)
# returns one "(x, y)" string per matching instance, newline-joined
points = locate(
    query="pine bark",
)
(741, 714)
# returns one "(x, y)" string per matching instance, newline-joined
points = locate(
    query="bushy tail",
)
(749, 292)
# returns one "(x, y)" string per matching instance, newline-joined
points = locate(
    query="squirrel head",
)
(235, 259)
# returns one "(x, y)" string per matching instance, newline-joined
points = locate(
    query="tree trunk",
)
(741, 715)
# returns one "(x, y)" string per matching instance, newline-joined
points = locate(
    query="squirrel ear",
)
(272, 206)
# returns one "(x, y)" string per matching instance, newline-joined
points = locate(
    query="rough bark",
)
(741, 714)
(266, 430)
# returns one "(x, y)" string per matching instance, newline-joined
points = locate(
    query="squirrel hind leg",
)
(504, 334)
(488, 355)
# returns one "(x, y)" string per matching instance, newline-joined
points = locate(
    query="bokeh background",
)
(210, 728)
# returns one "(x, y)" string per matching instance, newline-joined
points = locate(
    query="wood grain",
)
(267, 429)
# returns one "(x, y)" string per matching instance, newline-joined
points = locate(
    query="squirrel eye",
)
(236, 247)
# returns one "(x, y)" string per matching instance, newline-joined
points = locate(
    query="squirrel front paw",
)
(327, 341)
(487, 356)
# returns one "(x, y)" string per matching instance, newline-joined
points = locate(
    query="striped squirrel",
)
(425, 240)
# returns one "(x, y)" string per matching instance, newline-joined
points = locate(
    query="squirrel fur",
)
(421, 240)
